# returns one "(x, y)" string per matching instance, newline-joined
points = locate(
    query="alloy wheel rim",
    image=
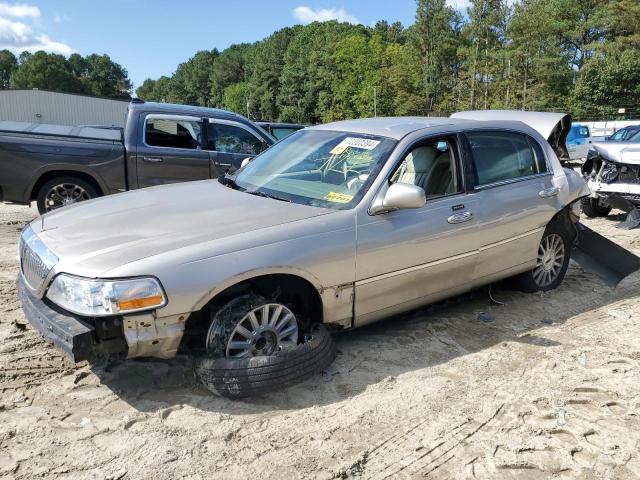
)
(550, 260)
(265, 330)
(64, 194)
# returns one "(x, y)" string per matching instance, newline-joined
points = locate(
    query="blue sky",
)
(150, 38)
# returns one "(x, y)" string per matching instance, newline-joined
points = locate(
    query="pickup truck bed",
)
(33, 153)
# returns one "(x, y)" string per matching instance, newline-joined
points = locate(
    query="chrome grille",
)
(36, 261)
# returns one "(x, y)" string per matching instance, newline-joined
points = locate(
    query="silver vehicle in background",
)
(339, 225)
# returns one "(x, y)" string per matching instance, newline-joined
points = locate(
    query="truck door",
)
(171, 150)
(229, 143)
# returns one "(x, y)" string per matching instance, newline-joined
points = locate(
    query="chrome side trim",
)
(517, 237)
(415, 268)
(445, 260)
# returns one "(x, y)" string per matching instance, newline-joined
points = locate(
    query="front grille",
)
(36, 261)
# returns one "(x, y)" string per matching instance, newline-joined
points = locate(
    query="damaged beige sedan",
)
(338, 225)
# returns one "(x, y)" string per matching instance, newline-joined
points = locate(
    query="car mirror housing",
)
(400, 196)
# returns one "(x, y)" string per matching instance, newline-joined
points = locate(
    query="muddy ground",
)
(547, 389)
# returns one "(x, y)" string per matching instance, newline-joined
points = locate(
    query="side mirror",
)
(245, 161)
(400, 196)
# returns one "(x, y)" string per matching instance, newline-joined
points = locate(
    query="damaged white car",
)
(337, 225)
(612, 170)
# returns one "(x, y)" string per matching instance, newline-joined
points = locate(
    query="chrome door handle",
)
(460, 217)
(220, 164)
(151, 159)
(549, 192)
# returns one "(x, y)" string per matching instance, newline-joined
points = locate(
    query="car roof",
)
(186, 110)
(399, 127)
(281, 125)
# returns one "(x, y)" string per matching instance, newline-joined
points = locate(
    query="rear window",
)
(500, 156)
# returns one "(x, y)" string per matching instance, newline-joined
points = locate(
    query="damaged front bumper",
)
(75, 336)
(81, 338)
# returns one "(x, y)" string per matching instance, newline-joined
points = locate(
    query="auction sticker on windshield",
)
(338, 197)
(353, 142)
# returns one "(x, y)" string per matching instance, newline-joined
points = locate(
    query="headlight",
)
(91, 297)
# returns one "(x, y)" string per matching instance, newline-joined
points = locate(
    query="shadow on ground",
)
(382, 351)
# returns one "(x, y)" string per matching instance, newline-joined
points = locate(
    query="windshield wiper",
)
(268, 195)
(228, 181)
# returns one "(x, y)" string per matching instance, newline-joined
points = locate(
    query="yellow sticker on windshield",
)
(353, 142)
(338, 197)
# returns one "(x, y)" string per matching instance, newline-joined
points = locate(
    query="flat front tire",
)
(256, 346)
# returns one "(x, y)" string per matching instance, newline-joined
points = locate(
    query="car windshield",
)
(317, 167)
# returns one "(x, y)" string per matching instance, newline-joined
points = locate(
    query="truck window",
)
(231, 139)
(163, 132)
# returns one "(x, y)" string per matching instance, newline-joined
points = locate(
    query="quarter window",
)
(231, 139)
(173, 133)
(500, 156)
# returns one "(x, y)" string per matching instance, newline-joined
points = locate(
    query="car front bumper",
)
(75, 336)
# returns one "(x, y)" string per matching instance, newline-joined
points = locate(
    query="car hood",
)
(99, 235)
(619, 152)
(553, 126)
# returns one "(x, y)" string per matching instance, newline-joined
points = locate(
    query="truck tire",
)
(246, 377)
(554, 253)
(592, 208)
(64, 190)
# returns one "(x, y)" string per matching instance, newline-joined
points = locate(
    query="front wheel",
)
(256, 346)
(592, 208)
(554, 252)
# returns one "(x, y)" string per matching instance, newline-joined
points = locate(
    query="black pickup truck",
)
(161, 143)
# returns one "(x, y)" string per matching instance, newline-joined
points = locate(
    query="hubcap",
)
(64, 194)
(263, 331)
(550, 260)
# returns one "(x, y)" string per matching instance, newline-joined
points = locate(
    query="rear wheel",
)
(554, 252)
(592, 208)
(62, 191)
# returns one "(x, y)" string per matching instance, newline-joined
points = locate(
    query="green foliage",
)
(8, 63)
(94, 75)
(578, 55)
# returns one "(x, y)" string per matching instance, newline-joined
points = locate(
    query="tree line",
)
(91, 75)
(581, 56)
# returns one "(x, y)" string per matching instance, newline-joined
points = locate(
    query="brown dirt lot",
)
(548, 389)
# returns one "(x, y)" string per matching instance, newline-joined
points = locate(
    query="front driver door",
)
(410, 257)
(229, 143)
(171, 151)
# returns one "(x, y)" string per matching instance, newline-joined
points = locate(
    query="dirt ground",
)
(547, 389)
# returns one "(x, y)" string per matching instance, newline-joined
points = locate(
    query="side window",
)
(231, 139)
(430, 165)
(167, 132)
(499, 156)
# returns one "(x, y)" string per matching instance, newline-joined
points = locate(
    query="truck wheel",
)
(592, 208)
(62, 191)
(554, 253)
(254, 346)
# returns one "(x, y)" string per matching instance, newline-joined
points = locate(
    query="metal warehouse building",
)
(43, 106)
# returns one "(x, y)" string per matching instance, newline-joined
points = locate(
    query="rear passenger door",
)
(171, 150)
(516, 198)
(229, 143)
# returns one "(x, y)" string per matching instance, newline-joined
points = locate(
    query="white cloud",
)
(459, 4)
(18, 35)
(18, 10)
(307, 15)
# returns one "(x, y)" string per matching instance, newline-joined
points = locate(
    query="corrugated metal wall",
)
(60, 108)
